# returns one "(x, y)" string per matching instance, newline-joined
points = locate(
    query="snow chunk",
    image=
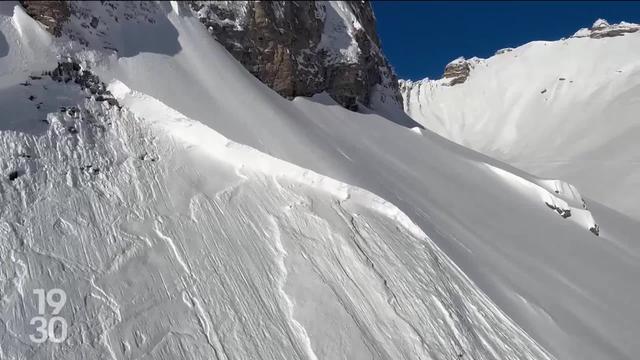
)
(600, 23)
(557, 195)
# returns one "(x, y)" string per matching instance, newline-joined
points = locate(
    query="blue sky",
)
(420, 38)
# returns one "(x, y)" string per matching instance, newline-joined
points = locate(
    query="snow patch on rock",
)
(338, 36)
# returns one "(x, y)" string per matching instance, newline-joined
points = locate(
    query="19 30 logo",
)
(53, 329)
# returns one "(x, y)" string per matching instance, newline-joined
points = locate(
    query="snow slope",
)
(211, 218)
(200, 247)
(560, 109)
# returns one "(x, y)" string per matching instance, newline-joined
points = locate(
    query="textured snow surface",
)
(179, 252)
(566, 109)
(211, 218)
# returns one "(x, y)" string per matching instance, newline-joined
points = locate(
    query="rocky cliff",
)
(297, 48)
(457, 71)
(602, 29)
(301, 48)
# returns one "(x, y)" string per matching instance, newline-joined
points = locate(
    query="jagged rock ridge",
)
(458, 71)
(602, 29)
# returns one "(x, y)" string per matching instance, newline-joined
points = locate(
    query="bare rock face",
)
(301, 48)
(51, 14)
(602, 29)
(263, 36)
(457, 71)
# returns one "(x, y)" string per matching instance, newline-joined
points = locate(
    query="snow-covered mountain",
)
(189, 211)
(562, 109)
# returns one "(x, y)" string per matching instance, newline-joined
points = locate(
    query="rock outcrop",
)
(602, 29)
(72, 72)
(457, 71)
(301, 48)
(503, 51)
(297, 48)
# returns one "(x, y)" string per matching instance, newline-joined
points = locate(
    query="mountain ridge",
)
(549, 108)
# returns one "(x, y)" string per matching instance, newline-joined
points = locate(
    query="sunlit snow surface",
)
(561, 109)
(210, 218)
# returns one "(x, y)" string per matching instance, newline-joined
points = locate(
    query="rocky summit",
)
(602, 29)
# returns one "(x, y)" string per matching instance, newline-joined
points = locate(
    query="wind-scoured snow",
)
(204, 216)
(210, 249)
